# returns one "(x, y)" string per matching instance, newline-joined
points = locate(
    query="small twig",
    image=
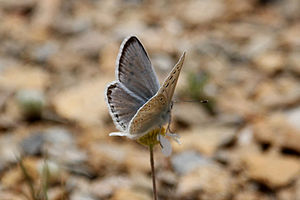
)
(152, 171)
(45, 180)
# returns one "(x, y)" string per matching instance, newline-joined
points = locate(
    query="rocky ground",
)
(56, 58)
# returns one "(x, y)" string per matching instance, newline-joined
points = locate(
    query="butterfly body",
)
(136, 101)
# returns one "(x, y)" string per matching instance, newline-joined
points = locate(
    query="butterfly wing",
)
(148, 116)
(122, 104)
(134, 69)
(155, 112)
(168, 87)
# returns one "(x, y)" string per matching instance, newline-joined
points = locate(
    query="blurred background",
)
(56, 58)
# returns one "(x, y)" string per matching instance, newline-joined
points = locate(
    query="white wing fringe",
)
(118, 134)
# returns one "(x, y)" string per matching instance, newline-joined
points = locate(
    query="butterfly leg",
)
(169, 126)
(170, 133)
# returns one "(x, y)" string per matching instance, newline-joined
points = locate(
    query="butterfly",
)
(136, 101)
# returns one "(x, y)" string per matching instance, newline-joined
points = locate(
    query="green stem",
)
(152, 171)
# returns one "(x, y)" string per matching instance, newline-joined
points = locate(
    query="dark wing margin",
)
(135, 70)
(122, 104)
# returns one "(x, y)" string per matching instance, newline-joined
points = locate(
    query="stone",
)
(205, 140)
(42, 52)
(206, 182)
(137, 160)
(270, 62)
(70, 26)
(273, 170)
(54, 171)
(280, 92)
(187, 161)
(61, 147)
(81, 196)
(276, 130)
(11, 178)
(201, 12)
(32, 145)
(9, 150)
(131, 194)
(104, 153)
(195, 115)
(11, 195)
(293, 117)
(106, 187)
(88, 44)
(83, 103)
(56, 193)
(162, 62)
(294, 62)
(24, 78)
(7, 4)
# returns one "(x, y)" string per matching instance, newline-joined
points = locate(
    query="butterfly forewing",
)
(168, 87)
(123, 104)
(155, 112)
(135, 70)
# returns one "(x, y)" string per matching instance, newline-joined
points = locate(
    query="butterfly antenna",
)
(201, 101)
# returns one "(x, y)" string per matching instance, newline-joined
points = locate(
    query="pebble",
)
(9, 150)
(271, 169)
(201, 12)
(270, 62)
(14, 78)
(106, 187)
(132, 194)
(187, 161)
(61, 147)
(85, 97)
(81, 196)
(88, 43)
(293, 117)
(205, 140)
(33, 144)
(42, 53)
(206, 182)
(276, 130)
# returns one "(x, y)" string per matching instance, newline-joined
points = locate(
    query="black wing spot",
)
(174, 72)
(170, 77)
(116, 115)
(173, 81)
(167, 85)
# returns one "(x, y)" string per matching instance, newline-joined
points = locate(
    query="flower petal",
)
(166, 146)
(175, 137)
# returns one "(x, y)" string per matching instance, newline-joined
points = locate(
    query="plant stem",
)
(152, 171)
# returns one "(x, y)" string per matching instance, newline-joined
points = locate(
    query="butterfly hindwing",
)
(134, 69)
(148, 116)
(122, 104)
